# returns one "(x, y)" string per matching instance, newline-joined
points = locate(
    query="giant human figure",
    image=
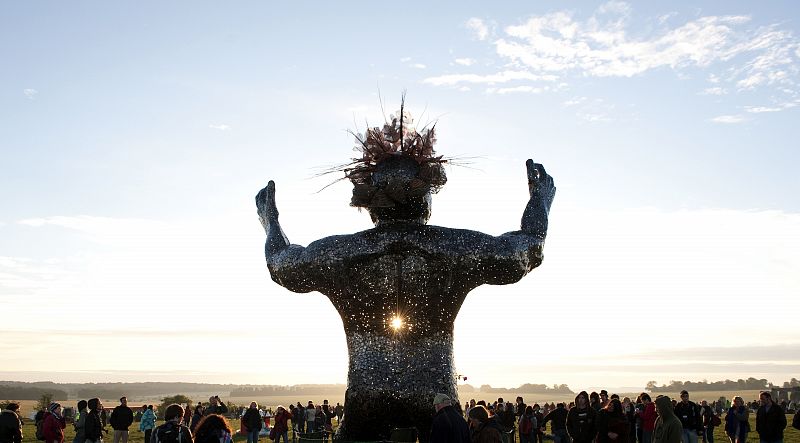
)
(398, 287)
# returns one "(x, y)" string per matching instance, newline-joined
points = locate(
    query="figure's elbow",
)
(290, 279)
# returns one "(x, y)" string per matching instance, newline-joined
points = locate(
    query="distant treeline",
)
(724, 385)
(262, 390)
(29, 392)
(527, 387)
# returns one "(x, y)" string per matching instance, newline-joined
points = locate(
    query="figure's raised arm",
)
(542, 190)
(506, 259)
(268, 215)
(289, 265)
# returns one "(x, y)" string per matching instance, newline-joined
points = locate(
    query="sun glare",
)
(397, 323)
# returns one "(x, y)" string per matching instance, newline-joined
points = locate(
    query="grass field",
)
(790, 436)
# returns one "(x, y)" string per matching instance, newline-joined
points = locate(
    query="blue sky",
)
(135, 136)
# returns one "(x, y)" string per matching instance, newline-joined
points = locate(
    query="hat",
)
(53, 406)
(441, 398)
(604, 392)
(479, 412)
(684, 392)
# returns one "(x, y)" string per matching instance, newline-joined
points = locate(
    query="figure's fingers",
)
(540, 169)
(270, 194)
(533, 174)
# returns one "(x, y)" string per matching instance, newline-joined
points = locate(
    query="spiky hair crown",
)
(397, 138)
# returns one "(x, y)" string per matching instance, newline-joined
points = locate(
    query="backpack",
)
(40, 429)
(715, 420)
(525, 425)
(169, 433)
(796, 421)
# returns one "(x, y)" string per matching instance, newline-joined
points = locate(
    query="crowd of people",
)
(600, 418)
(591, 418)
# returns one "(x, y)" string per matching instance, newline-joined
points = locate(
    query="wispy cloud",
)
(478, 27)
(417, 66)
(716, 90)
(728, 119)
(220, 127)
(466, 61)
(30, 93)
(605, 44)
(515, 89)
(500, 77)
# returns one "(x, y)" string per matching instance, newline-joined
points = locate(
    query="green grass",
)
(791, 435)
(134, 436)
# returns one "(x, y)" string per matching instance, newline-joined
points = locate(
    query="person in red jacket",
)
(281, 428)
(54, 424)
(648, 417)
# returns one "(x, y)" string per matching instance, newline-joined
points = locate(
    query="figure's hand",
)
(540, 185)
(265, 202)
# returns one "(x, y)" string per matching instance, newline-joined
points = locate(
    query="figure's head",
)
(396, 194)
(397, 171)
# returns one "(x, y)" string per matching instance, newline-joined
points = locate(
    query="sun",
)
(396, 323)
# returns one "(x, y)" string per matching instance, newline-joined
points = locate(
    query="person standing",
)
(310, 417)
(93, 427)
(197, 415)
(581, 420)
(148, 422)
(689, 415)
(252, 420)
(10, 424)
(80, 423)
(737, 423)
(216, 406)
(54, 424)
(770, 420)
(339, 411)
(173, 431)
(648, 417)
(281, 427)
(558, 425)
(447, 426)
(120, 420)
(667, 427)
(301, 418)
(483, 428)
(527, 426)
(707, 413)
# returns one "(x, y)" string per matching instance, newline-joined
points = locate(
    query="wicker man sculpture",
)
(399, 286)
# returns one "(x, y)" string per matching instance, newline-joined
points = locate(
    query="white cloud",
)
(466, 61)
(760, 109)
(464, 88)
(417, 66)
(405, 59)
(479, 27)
(714, 91)
(607, 44)
(728, 119)
(574, 101)
(221, 127)
(515, 89)
(30, 93)
(500, 77)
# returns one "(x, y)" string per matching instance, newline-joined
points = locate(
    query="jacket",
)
(581, 425)
(93, 427)
(10, 427)
(121, 418)
(689, 415)
(252, 420)
(487, 432)
(80, 426)
(220, 408)
(648, 417)
(148, 420)
(53, 428)
(282, 421)
(449, 427)
(667, 428)
(171, 432)
(770, 424)
(559, 418)
(737, 423)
